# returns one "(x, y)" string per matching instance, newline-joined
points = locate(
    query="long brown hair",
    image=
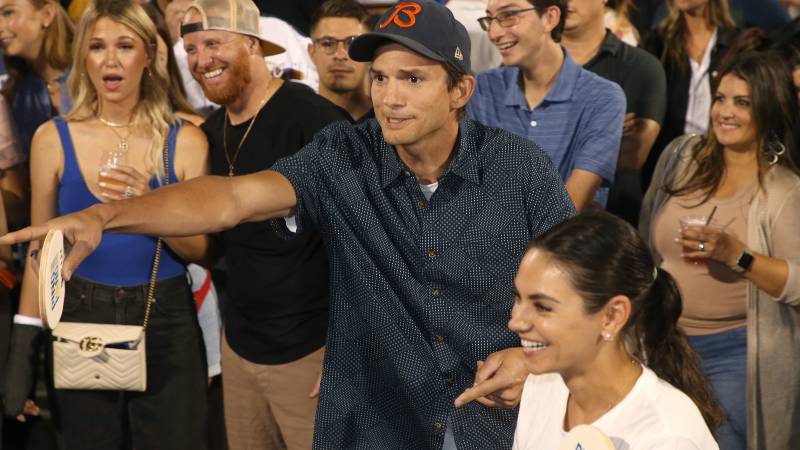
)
(604, 256)
(674, 30)
(56, 46)
(775, 114)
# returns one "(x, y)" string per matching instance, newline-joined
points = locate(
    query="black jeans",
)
(171, 413)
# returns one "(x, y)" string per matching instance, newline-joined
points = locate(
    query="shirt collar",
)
(560, 92)
(465, 161)
(463, 164)
(611, 45)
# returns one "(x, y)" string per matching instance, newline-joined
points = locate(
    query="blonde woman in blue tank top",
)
(121, 103)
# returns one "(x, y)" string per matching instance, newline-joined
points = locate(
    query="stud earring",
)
(607, 336)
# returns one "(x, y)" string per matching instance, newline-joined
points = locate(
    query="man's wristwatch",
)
(745, 262)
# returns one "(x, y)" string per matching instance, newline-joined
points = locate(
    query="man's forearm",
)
(200, 205)
(581, 187)
(636, 145)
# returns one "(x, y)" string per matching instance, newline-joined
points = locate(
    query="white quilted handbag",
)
(97, 356)
(105, 356)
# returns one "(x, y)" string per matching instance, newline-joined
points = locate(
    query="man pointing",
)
(425, 216)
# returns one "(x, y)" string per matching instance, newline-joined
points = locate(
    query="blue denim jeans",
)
(724, 359)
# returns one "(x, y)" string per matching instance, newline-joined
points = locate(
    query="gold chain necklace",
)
(123, 140)
(232, 161)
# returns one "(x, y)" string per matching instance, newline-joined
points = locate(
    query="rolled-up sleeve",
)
(302, 169)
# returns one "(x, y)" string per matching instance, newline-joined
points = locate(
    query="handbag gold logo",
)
(91, 344)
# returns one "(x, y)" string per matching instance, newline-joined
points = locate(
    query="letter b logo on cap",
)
(409, 9)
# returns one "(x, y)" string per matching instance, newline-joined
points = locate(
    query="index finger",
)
(27, 234)
(480, 390)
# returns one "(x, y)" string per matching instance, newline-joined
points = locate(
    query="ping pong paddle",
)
(51, 282)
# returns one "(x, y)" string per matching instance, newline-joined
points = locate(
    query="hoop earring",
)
(775, 149)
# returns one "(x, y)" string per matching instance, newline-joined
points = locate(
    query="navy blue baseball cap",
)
(423, 26)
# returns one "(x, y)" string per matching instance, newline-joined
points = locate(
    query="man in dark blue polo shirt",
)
(425, 217)
(641, 78)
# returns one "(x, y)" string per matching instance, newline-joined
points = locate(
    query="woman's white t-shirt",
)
(653, 416)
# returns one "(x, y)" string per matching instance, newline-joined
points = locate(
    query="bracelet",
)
(7, 278)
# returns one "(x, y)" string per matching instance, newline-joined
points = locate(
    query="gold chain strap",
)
(151, 289)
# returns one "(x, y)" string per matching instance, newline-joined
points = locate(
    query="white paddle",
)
(586, 437)
(51, 283)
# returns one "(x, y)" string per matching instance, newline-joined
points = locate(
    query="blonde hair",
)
(673, 30)
(56, 47)
(153, 113)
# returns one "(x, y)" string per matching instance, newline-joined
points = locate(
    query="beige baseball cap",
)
(237, 16)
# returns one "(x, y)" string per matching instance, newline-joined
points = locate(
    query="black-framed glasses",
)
(505, 19)
(329, 45)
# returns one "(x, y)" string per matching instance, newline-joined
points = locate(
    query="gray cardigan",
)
(773, 324)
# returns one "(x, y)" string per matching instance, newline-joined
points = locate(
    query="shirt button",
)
(421, 204)
(119, 294)
(534, 123)
(431, 253)
(439, 338)
(437, 293)
(450, 380)
(438, 425)
(406, 173)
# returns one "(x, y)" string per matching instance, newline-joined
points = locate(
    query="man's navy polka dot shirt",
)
(420, 289)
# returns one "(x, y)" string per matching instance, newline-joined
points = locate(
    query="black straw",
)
(711, 216)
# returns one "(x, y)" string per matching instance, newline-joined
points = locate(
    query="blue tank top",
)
(120, 259)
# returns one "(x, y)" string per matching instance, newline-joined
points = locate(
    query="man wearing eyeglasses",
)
(334, 25)
(541, 94)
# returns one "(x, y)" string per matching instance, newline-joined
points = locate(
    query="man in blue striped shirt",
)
(541, 94)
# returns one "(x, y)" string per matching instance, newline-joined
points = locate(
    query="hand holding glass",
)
(692, 221)
(111, 158)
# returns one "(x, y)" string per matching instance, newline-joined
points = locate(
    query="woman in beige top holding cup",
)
(721, 215)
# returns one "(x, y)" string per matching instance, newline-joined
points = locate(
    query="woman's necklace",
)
(232, 160)
(123, 140)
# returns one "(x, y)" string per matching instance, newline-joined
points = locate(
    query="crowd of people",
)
(425, 224)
